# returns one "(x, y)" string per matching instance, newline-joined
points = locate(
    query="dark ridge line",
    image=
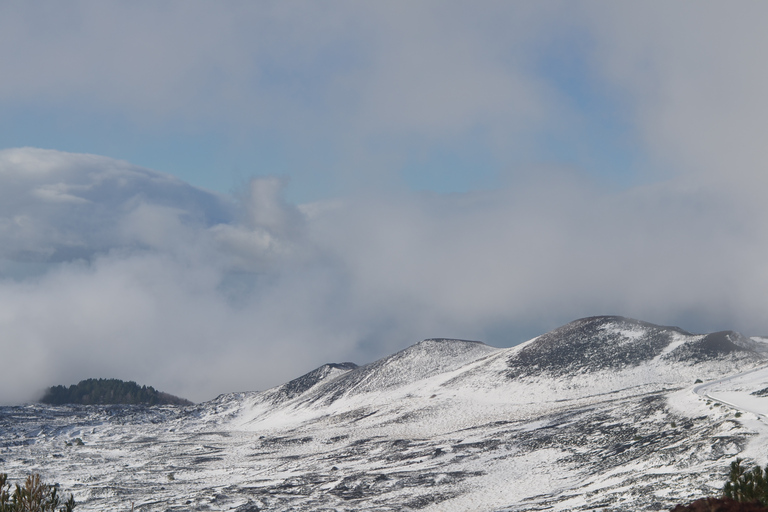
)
(439, 340)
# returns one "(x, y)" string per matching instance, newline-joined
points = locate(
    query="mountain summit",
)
(616, 343)
(585, 358)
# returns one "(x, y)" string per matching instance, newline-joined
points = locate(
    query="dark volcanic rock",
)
(589, 344)
(712, 346)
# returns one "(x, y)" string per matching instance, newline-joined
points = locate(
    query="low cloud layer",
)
(111, 270)
(606, 158)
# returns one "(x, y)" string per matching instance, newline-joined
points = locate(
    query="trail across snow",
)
(737, 390)
(737, 393)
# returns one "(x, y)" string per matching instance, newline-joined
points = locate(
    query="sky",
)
(215, 197)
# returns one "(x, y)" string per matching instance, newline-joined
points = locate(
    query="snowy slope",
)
(601, 413)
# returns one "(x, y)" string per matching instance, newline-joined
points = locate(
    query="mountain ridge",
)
(605, 355)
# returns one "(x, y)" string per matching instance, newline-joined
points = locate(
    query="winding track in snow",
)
(703, 391)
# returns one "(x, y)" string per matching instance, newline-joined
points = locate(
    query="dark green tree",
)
(108, 391)
(747, 485)
(33, 496)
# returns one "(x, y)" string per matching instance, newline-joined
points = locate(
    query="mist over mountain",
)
(110, 268)
(604, 412)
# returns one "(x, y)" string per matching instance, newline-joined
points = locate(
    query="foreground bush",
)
(747, 485)
(720, 505)
(34, 496)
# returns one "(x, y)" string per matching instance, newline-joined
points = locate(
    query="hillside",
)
(603, 413)
(109, 392)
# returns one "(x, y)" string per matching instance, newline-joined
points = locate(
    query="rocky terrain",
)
(603, 413)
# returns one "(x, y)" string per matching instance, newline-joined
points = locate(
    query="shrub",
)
(34, 496)
(719, 505)
(747, 485)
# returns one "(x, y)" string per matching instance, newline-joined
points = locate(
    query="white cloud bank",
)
(110, 270)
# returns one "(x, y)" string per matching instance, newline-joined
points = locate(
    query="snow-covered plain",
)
(603, 413)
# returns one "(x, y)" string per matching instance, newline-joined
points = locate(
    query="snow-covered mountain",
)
(602, 413)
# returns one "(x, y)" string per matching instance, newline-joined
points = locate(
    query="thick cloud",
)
(610, 159)
(108, 204)
(344, 94)
(349, 94)
(140, 276)
(689, 73)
